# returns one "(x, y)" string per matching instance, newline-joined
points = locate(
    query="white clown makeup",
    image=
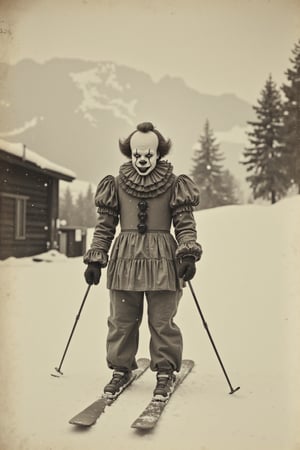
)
(144, 154)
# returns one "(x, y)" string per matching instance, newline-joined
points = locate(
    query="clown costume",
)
(146, 260)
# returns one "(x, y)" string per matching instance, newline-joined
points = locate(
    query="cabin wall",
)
(36, 192)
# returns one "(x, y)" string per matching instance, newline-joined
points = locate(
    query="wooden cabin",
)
(29, 188)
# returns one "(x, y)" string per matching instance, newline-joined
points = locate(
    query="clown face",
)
(144, 154)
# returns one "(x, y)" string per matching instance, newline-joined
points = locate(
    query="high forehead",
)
(144, 141)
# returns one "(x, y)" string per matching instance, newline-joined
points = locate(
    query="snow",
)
(17, 149)
(247, 284)
(90, 83)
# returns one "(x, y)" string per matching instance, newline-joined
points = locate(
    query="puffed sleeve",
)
(183, 200)
(106, 201)
(185, 195)
(106, 198)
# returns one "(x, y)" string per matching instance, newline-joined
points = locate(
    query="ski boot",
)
(164, 386)
(119, 381)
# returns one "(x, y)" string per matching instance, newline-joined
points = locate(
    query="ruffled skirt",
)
(143, 262)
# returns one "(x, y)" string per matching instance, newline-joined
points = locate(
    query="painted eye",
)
(136, 155)
(149, 155)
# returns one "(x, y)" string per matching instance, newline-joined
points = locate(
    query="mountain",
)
(74, 111)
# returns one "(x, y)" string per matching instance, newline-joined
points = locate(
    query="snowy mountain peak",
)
(101, 90)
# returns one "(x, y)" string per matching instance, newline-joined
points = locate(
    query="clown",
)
(146, 260)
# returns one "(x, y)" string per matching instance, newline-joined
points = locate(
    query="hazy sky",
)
(216, 46)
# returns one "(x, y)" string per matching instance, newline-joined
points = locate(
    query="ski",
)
(153, 411)
(90, 415)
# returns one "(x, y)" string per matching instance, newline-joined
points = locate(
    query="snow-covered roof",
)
(21, 151)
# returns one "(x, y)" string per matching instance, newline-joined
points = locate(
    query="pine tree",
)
(79, 211)
(90, 210)
(85, 210)
(82, 212)
(231, 189)
(66, 207)
(208, 172)
(291, 116)
(265, 158)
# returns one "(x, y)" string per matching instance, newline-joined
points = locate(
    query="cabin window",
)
(18, 204)
(20, 218)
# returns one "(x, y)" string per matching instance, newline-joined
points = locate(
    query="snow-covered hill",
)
(248, 287)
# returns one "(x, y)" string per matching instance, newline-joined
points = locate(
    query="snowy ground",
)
(248, 288)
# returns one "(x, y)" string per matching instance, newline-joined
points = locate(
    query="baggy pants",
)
(126, 311)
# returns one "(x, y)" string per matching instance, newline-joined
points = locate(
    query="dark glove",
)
(92, 273)
(187, 268)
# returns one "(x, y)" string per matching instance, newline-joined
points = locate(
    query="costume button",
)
(142, 228)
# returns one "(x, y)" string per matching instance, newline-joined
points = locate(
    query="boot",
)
(119, 381)
(164, 386)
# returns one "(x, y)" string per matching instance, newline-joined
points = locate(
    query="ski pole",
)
(58, 369)
(232, 390)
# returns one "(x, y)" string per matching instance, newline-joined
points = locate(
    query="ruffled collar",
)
(149, 186)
